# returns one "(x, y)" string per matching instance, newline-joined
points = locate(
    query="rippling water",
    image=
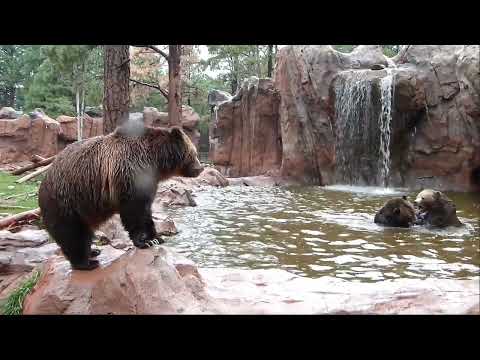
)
(315, 231)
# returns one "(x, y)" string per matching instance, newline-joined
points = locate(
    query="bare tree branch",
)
(162, 91)
(154, 48)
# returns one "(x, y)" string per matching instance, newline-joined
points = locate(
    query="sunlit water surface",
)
(315, 231)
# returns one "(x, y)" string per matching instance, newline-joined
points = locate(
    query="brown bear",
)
(436, 209)
(397, 212)
(93, 179)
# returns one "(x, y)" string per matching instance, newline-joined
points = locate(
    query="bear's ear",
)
(437, 195)
(176, 132)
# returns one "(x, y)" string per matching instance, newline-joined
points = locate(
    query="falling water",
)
(385, 128)
(363, 119)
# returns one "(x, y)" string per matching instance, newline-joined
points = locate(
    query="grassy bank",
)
(14, 303)
(15, 198)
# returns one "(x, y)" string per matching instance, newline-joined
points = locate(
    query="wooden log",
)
(37, 158)
(26, 215)
(33, 166)
(32, 175)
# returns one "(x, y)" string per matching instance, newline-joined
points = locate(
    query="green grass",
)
(14, 303)
(15, 198)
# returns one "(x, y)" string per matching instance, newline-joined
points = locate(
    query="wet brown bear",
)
(397, 212)
(436, 209)
(93, 179)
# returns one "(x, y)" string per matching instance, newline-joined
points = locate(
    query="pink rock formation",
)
(246, 133)
(22, 137)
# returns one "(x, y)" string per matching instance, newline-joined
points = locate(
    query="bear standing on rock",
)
(436, 209)
(93, 179)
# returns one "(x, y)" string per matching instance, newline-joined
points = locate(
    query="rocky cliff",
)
(245, 131)
(328, 113)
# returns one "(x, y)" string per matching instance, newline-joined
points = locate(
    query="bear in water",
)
(436, 209)
(397, 212)
(93, 179)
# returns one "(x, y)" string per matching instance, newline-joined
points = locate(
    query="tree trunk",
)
(77, 103)
(234, 80)
(116, 95)
(11, 96)
(174, 85)
(257, 59)
(270, 62)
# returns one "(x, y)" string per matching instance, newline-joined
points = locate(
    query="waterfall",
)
(363, 107)
(386, 87)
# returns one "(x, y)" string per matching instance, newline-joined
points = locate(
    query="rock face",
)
(304, 76)
(69, 129)
(159, 281)
(22, 137)
(245, 137)
(68, 125)
(437, 117)
(190, 120)
(434, 126)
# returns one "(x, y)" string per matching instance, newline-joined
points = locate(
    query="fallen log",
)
(32, 175)
(37, 158)
(43, 162)
(26, 215)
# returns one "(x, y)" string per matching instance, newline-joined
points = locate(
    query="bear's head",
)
(438, 208)
(397, 212)
(427, 199)
(188, 164)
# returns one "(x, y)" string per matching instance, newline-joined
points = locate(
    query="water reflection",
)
(314, 231)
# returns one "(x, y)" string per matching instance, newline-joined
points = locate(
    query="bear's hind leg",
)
(75, 240)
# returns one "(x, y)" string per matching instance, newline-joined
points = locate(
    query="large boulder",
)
(8, 113)
(245, 134)
(21, 239)
(153, 117)
(190, 118)
(23, 137)
(153, 281)
(216, 97)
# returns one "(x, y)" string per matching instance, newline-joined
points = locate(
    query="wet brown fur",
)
(438, 210)
(398, 212)
(93, 179)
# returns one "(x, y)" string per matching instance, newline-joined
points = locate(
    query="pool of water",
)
(319, 231)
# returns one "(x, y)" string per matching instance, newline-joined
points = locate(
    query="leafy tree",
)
(237, 62)
(50, 91)
(50, 77)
